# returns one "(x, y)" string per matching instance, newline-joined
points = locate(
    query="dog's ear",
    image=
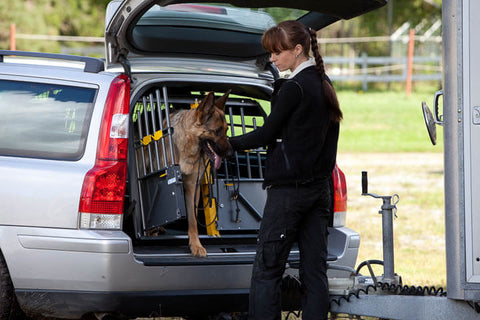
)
(220, 102)
(206, 108)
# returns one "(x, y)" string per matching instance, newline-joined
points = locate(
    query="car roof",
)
(220, 31)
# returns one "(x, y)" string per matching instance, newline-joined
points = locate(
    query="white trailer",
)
(460, 118)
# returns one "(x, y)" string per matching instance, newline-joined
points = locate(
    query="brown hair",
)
(285, 36)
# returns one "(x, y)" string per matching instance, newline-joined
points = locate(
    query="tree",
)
(86, 17)
(382, 22)
(50, 17)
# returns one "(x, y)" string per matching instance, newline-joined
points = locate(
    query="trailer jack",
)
(385, 296)
(388, 211)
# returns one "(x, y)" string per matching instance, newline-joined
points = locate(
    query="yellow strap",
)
(194, 105)
(156, 136)
(146, 140)
(210, 211)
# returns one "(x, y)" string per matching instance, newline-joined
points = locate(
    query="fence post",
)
(13, 43)
(411, 45)
(364, 71)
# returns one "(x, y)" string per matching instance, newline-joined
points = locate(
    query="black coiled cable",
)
(395, 289)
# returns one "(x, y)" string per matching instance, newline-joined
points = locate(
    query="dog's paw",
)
(198, 251)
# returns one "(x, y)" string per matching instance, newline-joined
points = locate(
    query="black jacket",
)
(299, 133)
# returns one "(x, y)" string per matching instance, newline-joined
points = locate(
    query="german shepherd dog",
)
(198, 135)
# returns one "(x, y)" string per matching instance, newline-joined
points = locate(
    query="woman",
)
(301, 133)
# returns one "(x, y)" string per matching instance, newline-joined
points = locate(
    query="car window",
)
(44, 120)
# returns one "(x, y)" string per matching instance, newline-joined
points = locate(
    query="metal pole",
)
(140, 131)
(387, 233)
(387, 213)
(244, 130)
(167, 117)
(232, 126)
(411, 45)
(260, 172)
(155, 128)
(147, 132)
(13, 37)
(160, 120)
(365, 71)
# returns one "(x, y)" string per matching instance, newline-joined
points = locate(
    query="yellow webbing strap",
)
(209, 205)
(147, 139)
(194, 105)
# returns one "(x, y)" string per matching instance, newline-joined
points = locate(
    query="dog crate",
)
(159, 178)
(232, 197)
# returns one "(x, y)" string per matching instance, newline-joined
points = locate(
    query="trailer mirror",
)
(430, 123)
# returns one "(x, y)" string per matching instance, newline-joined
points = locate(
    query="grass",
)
(385, 121)
(383, 132)
(419, 239)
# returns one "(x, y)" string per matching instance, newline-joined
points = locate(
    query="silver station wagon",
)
(92, 221)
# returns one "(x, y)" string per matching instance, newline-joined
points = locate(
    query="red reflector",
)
(339, 190)
(103, 207)
(103, 189)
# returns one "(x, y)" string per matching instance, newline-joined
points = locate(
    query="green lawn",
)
(386, 121)
(383, 132)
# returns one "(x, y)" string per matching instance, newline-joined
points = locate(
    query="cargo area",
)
(232, 198)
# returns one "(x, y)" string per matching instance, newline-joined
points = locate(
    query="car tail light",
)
(339, 198)
(103, 190)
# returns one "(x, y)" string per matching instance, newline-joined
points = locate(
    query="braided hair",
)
(285, 36)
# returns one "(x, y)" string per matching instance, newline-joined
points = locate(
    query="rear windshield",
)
(44, 120)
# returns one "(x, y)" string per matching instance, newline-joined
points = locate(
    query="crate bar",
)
(225, 165)
(167, 116)
(160, 117)
(155, 127)
(147, 132)
(260, 172)
(140, 131)
(232, 126)
(242, 117)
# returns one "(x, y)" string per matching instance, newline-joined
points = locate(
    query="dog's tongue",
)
(216, 158)
(218, 161)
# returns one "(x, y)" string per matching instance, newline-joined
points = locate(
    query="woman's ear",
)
(298, 50)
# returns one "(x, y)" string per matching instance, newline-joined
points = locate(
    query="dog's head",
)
(210, 117)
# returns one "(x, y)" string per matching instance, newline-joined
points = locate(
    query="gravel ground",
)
(419, 229)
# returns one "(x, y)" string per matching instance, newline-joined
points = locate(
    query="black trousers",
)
(292, 213)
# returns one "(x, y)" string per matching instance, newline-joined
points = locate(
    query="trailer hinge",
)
(438, 117)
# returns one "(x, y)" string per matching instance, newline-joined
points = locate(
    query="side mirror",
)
(429, 123)
(430, 119)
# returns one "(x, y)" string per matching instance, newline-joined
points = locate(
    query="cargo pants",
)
(292, 213)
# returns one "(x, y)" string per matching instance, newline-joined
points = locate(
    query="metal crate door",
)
(240, 206)
(159, 178)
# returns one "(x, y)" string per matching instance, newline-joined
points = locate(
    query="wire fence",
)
(367, 69)
(400, 66)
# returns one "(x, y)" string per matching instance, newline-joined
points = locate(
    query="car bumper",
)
(69, 272)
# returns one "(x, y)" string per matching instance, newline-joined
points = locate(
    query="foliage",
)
(26, 16)
(383, 22)
(50, 17)
(86, 18)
